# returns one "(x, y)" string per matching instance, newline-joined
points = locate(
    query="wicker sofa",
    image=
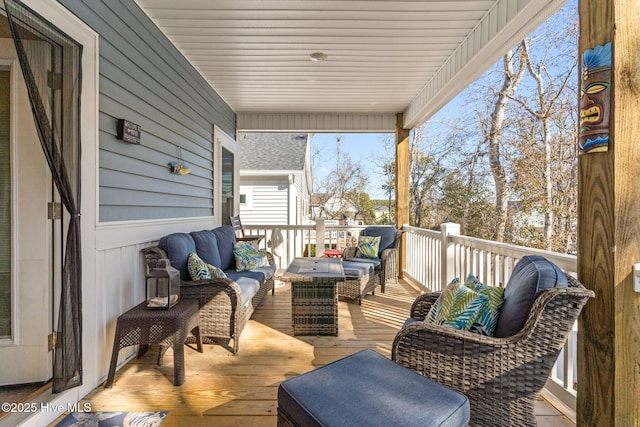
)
(501, 375)
(226, 304)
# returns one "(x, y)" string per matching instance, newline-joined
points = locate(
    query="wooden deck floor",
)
(226, 390)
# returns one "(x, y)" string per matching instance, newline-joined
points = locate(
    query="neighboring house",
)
(330, 206)
(382, 210)
(275, 178)
(534, 218)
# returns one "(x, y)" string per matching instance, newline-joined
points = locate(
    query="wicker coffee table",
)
(314, 300)
(169, 328)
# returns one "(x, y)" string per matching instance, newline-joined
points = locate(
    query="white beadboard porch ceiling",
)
(384, 56)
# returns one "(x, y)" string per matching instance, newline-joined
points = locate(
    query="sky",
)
(366, 148)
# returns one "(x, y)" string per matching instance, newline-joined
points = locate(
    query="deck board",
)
(226, 390)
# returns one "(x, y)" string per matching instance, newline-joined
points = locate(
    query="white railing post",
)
(447, 259)
(319, 237)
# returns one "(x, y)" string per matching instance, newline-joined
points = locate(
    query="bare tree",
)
(341, 191)
(428, 156)
(546, 102)
(387, 164)
(510, 82)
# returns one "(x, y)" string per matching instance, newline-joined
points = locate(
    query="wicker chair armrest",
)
(207, 289)
(422, 304)
(388, 253)
(349, 252)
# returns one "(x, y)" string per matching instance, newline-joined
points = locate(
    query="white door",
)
(24, 342)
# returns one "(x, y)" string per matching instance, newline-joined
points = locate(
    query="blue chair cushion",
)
(207, 247)
(178, 246)
(226, 239)
(387, 236)
(368, 389)
(409, 321)
(531, 275)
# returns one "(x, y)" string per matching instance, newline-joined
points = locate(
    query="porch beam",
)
(315, 122)
(609, 229)
(402, 187)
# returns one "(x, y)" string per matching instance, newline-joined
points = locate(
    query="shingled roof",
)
(272, 151)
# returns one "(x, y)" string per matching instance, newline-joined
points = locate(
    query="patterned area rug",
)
(113, 419)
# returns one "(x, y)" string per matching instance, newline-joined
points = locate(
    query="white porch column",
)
(447, 257)
(319, 237)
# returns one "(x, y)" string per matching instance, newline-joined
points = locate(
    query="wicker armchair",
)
(502, 377)
(387, 269)
(221, 313)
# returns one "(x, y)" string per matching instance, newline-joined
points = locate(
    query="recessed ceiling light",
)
(318, 56)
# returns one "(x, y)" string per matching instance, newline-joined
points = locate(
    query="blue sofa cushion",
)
(387, 236)
(207, 247)
(248, 288)
(178, 246)
(226, 239)
(531, 275)
(268, 271)
(260, 274)
(368, 389)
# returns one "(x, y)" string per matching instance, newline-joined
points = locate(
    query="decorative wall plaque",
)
(128, 131)
(595, 99)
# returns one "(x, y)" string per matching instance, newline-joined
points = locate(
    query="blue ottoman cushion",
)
(368, 389)
(376, 263)
(356, 269)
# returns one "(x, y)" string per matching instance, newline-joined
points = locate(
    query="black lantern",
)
(163, 286)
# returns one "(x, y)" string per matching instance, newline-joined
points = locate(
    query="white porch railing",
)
(304, 240)
(434, 258)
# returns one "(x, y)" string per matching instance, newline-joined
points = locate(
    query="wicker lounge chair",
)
(502, 377)
(386, 265)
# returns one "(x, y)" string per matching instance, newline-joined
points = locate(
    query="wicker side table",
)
(169, 328)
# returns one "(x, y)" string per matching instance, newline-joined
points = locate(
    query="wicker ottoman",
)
(367, 389)
(360, 279)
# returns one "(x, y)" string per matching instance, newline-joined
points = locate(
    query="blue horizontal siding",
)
(144, 79)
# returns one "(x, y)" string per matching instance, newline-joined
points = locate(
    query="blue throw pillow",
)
(487, 319)
(460, 306)
(249, 257)
(200, 270)
(368, 247)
